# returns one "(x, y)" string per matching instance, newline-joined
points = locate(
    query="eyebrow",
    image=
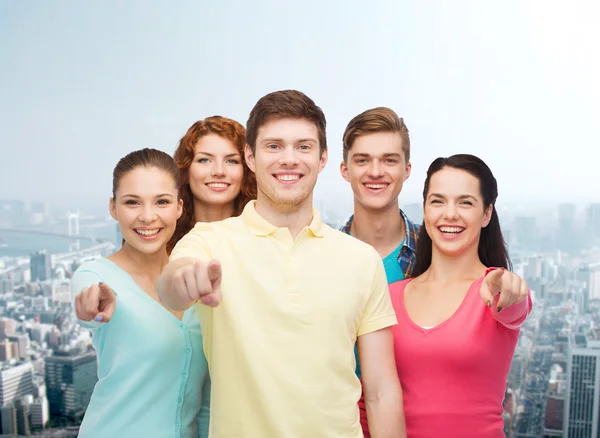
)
(439, 195)
(157, 196)
(280, 140)
(386, 155)
(235, 154)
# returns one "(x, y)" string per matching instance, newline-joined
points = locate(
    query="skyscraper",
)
(70, 380)
(582, 401)
(40, 266)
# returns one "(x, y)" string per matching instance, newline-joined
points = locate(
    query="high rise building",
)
(15, 382)
(525, 231)
(7, 327)
(582, 401)
(40, 265)
(70, 380)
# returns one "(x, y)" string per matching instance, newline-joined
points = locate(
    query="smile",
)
(148, 233)
(451, 230)
(288, 177)
(217, 186)
(376, 186)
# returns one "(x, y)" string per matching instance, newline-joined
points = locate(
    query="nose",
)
(375, 169)
(147, 215)
(451, 211)
(288, 157)
(217, 168)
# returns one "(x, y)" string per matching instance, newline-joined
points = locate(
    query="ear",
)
(112, 208)
(344, 171)
(249, 158)
(179, 208)
(323, 160)
(487, 216)
(407, 170)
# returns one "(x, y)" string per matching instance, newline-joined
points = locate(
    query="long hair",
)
(492, 247)
(184, 156)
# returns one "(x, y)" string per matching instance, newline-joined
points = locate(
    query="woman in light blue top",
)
(151, 364)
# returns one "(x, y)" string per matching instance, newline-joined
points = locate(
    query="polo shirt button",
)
(179, 400)
(177, 424)
(184, 375)
(188, 351)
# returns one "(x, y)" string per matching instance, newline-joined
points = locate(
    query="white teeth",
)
(288, 177)
(376, 186)
(217, 185)
(451, 229)
(148, 233)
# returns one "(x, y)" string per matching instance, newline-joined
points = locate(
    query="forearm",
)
(385, 412)
(166, 289)
(512, 317)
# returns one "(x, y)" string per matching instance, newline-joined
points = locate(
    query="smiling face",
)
(216, 173)
(147, 208)
(287, 162)
(454, 212)
(376, 169)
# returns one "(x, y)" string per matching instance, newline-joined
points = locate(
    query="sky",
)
(515, 82)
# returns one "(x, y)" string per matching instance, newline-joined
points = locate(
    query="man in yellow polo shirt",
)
(296, 296)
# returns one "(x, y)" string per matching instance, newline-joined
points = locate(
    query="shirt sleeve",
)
(82, 279)
(379, 312)
(514, 316)
(193, 245)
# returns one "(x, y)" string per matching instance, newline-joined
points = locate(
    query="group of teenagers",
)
(232, 310)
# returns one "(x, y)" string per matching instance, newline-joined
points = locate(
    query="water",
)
(19, 244)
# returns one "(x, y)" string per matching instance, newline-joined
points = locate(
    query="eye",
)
(203, 160)
(467, 203)
(436, 201)
(272, 146)
(304, 147)
(163, 201)
(361, 161)
(130, 202)
(391, 161)
(233, 161)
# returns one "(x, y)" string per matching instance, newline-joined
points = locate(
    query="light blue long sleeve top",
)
(152, 373)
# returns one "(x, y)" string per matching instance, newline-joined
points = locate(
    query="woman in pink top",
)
(459, 318)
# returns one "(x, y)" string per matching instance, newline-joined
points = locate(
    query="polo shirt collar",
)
(260, 227)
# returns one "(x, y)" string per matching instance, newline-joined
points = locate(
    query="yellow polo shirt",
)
(280, 346)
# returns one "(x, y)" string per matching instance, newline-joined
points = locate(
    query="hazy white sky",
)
(515, 82)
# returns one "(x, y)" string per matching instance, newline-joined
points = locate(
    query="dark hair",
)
(380, 119)
(285, 104)
(184, 156)
(492, 248)
(144, 158)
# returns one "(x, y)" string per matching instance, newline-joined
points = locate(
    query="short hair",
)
(380, 119)
(285, 104)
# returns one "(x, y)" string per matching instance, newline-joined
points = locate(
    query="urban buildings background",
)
(48, 367)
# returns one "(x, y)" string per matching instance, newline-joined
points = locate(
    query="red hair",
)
(184, 156)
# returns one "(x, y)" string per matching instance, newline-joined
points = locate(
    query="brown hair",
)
(380, 119)
(285, 104)
(184, 156)
(144, 158)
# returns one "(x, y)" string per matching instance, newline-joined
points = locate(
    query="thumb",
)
(106, 293)
(214, 273)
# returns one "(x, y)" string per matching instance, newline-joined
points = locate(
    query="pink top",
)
(454, 375)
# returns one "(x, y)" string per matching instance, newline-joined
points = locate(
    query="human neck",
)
(294, 218)
(212, 213)
(383, 229)
(138, 263)
(447, 268)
